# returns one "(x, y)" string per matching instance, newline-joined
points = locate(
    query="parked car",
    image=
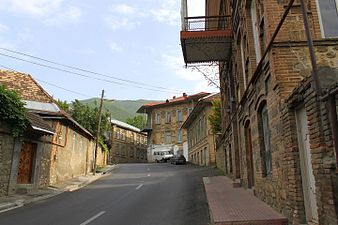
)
(178, 159)
(162, 156)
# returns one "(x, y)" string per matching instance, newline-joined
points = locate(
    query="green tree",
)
(137, 121)
(88, 117)
(215, 117)
(63, 104)
(12, 111)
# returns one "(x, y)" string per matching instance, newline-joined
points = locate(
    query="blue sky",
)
(134, 40)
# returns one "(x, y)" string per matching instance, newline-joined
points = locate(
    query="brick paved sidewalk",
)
(236, 206)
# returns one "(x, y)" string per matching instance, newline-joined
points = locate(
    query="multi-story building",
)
(201, 147)
(165, 119)
(128, 143)
(278, 66)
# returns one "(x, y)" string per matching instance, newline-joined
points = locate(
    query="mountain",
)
(120, 109)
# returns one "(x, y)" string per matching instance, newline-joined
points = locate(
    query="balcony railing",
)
(207, 23)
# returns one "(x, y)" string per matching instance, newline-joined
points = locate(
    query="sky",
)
(119, 45)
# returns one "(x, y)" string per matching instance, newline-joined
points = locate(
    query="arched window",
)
(264, 132)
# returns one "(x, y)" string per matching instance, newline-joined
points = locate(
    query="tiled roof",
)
(37, 99)
(26, 87)
(174, 100)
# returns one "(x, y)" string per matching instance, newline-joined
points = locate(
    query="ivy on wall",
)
(12, 111)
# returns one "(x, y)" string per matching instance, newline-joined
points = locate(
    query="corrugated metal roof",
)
(41, 106)
(124, 125)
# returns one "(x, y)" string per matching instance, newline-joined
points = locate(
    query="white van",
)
(162, 156)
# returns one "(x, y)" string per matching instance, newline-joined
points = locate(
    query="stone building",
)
(128, 143)
(201, 147)
(165, 119)
(279, 123)
(54, 148)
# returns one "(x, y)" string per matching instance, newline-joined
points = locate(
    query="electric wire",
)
(89, 71)
(83, 75)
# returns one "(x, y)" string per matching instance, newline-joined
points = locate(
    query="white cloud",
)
(3, 28)
(71, 14)
(168, 12)
(31, 7)
(50, 12)
(123, 9)
(174, 62)
(115, 47)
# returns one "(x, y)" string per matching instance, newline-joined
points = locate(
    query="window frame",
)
(320, 18)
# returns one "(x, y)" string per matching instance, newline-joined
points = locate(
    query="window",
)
(253, 11)
(168, 117)
(265, 140)
(158, 118)
(243, 61)
(189, 111)
(167, 137)
(328, 10)
(179, 136)
(179, 115)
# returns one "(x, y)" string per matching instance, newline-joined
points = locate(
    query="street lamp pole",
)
(98, 133)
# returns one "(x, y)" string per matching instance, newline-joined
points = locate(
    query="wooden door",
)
(249, 156)
(308, 179)
(25, 170)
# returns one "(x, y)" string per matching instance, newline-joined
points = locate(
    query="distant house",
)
(128, 143)
(53, 149)
(164, 121)
(201, 147)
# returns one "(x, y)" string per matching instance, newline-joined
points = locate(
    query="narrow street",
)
(133, 194)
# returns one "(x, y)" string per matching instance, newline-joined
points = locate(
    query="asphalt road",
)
(134, 194)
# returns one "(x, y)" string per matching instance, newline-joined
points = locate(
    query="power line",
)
(54, 85)
(83, 75)
(88, 71)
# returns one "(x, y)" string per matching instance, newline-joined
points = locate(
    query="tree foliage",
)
(12, 111)
(88, 117)
(215, 117)
(137, 121)
(63, 104)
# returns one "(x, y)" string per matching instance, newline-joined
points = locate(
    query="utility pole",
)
(98, 133)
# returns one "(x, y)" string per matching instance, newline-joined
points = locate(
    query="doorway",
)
(249, 155)
(26, 163)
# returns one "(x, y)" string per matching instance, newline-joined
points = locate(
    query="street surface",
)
(133, 194)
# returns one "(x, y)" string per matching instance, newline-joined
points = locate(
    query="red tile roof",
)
(174, 100)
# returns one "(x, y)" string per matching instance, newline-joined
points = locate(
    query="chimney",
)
(185, 95)
(167, 101)
(174, 97)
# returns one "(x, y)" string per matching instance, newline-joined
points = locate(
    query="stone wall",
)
(6, 149)
(69, 156)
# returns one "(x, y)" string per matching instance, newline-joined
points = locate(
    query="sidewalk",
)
(17, 200)
(230, 205)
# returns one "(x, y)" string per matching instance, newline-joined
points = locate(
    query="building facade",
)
(165, 119)
(279, 117)
(201, 140)
(128, 143)
(54, 148)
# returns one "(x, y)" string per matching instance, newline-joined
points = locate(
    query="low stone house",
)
(201, 147)
(53, 149)
(128, 143)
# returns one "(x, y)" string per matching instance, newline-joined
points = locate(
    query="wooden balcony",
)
(206, 39)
